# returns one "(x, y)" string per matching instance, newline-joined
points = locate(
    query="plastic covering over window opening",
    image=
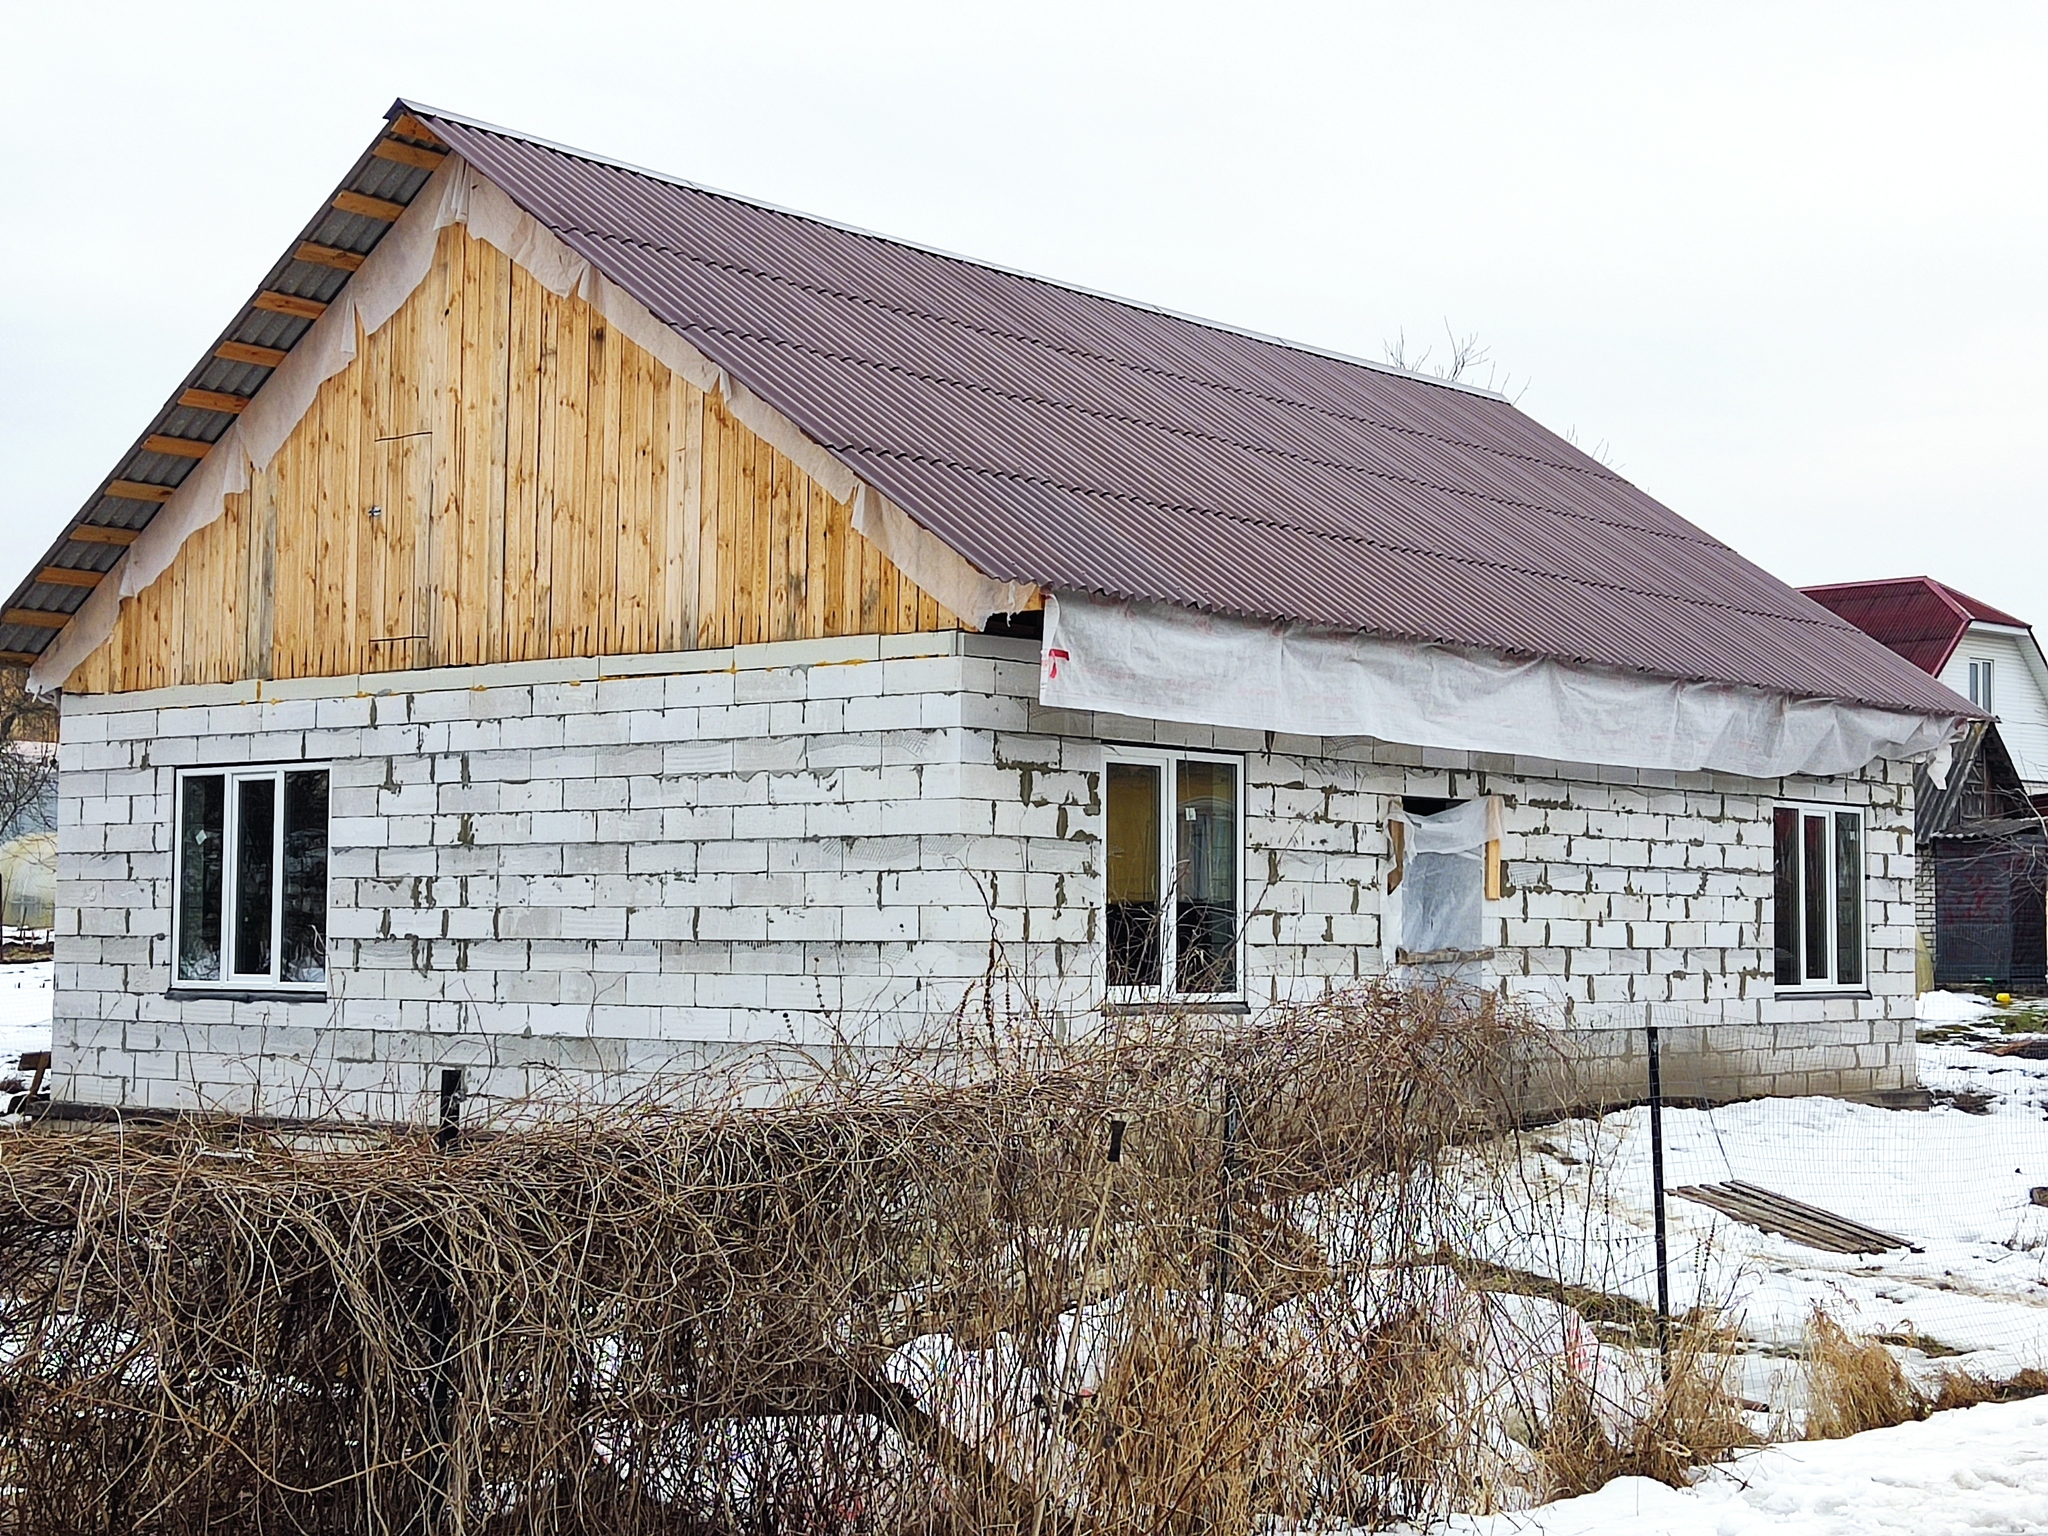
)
(1441, 882)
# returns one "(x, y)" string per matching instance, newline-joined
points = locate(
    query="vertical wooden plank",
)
(530, 509)
(873, 570)
(777, 576)
(732, 529)
(572, 446)
(750, 597)
(495, 358)
(260, 627)
(713, 547)
(829, 531)
(636, 579)
(438, 563)
(686, 558)
(600, 512)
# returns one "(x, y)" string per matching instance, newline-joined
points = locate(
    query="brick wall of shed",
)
(564, 877)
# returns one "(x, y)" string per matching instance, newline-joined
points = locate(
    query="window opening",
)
(1446, 867)
(251, 881)
(1817, 906)
(1980, 686)
(1175, 836)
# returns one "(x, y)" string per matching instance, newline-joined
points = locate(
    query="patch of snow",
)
(1952, 1007)
(25, 998)
(1972, 1469)
(1954, 1181)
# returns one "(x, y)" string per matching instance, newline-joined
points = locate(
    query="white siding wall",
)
(571, 875)
(2017, 696)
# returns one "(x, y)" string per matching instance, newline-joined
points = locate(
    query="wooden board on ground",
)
(1781, 1214)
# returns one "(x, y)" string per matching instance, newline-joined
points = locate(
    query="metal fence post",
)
(1657, 1196)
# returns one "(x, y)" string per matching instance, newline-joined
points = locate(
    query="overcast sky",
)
(1789, 263)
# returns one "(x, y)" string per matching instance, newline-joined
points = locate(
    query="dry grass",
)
(1853, 1383)
(690, 1314)
(1966, 1389)
(1694, 1417)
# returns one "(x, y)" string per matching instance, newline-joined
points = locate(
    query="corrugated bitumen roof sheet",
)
(1054, 435)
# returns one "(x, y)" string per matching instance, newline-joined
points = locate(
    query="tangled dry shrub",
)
(1853, 1383)
(1693, 1417)
(911, 1294)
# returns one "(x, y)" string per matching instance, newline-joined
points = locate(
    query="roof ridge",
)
(421, 109)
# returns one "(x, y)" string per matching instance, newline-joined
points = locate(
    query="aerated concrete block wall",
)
(566, 878)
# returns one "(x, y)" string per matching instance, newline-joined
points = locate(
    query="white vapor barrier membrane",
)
(1156, 662)
(457, 194)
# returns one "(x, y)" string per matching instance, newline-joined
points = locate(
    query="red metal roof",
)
(1922, 619)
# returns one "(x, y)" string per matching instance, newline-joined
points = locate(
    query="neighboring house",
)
(576, 624)
(1982, 652)
(1982, 877)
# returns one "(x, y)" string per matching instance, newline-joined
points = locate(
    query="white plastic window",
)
(1175, 875)
(1817, 905)
(1980, 686)
(250, 908)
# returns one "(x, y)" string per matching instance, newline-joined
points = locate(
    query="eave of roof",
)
(296, 290)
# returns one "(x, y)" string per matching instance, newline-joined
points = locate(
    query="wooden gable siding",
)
(544, 488)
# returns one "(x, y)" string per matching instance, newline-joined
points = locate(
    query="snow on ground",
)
(1973, 1469)
(1954, 1181)
(24, 1011)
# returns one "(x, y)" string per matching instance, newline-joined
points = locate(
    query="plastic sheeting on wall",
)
(1156, 662)
(458, 194)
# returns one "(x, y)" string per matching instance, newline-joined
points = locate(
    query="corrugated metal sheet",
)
(1082, 442)
(1922, 619)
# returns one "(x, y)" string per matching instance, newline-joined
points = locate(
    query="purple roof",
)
(1054, 435)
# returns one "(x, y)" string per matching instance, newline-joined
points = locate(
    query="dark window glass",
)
(1134, 937)
(200, 841)
(1814, 880)
(255, 874)
(1785, 895)
(304, 925)
(1848, 898)
(1205, 878)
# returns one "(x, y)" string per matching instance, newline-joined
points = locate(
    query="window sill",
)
(1793, 994)
(1232, 1005)
(1442, 957)
(230, 995)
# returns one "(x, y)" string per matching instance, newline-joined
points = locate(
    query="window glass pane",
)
(1814, 878)
(1849, 898)
(199, 874)
(255, 883)
(1205, 878)
(1134, 908)
(1785, 894)
(305, 878)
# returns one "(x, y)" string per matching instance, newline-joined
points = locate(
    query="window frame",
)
(1982, 683)
(1166, 761)
(1831, 984)
(230, 982)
